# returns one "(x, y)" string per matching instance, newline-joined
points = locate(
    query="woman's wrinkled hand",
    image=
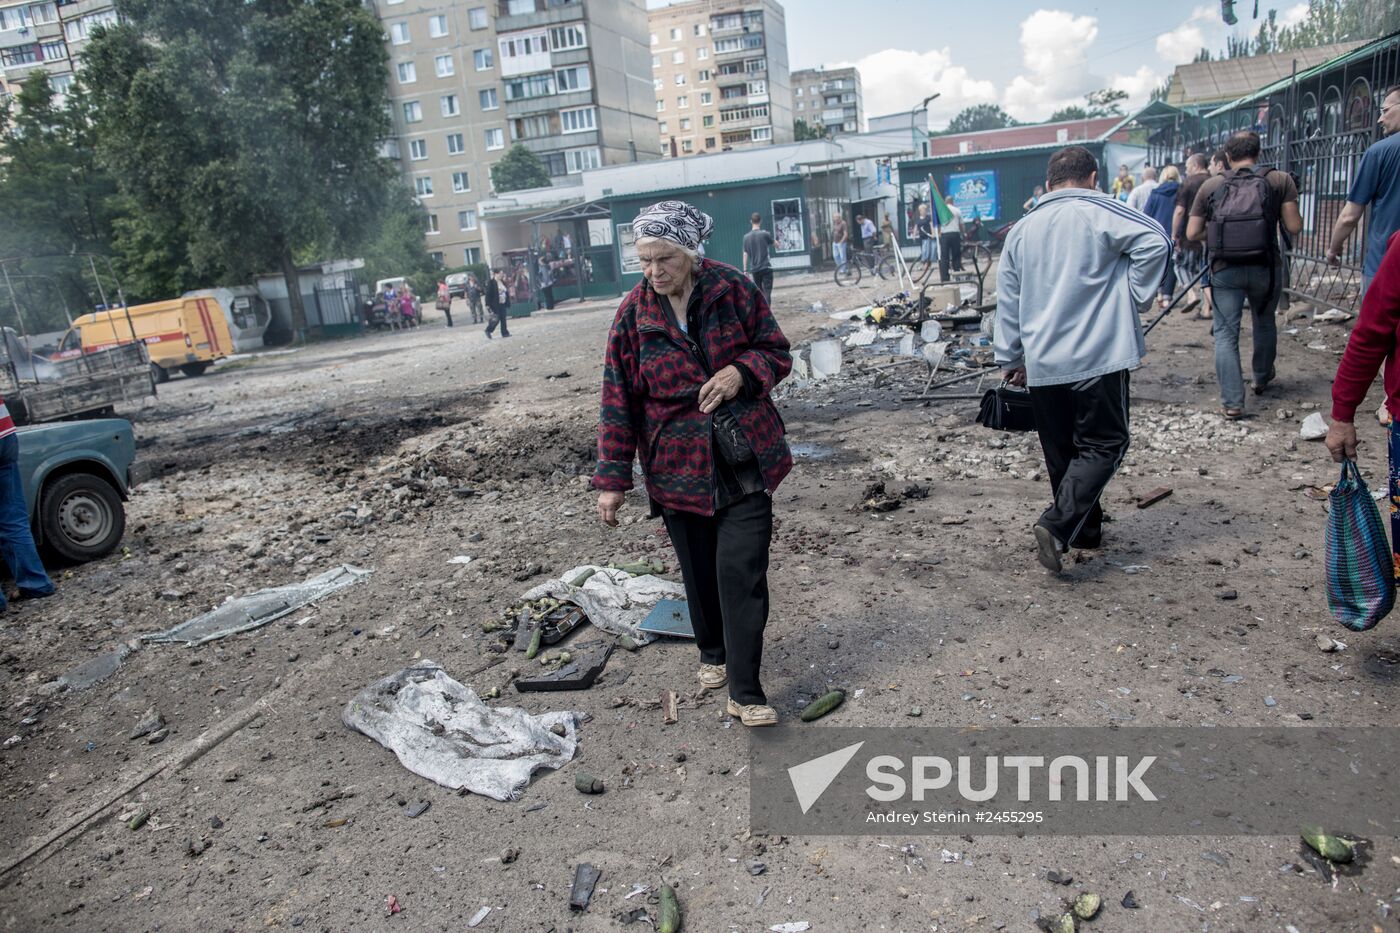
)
(722, 387)
(1341, 440)
(608, 504)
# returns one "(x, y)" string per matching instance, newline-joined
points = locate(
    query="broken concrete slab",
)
(93, 672)
(614, 600)
(245, 613)
(586, 664)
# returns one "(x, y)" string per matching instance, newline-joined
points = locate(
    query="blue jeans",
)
(16, 538)
(928, 250)
(838, 252)
(1231, 287)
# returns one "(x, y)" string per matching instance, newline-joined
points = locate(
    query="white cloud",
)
(1055, 53)
(897, 79)
(1181, 44)
(1293, 15)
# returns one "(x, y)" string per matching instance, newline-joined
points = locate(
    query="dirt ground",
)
(276, 468)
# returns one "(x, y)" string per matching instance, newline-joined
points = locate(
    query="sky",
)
(1030, 57)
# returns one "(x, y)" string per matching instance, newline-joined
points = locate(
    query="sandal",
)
(1191, 305)
(1232, 414)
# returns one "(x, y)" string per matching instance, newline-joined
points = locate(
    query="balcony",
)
(527, 14)
(841, 85)
(547, 102)
(539, 145)
(744, 116)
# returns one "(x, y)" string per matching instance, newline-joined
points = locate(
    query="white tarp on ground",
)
(614, 600)
(245, 613)
(440, 730)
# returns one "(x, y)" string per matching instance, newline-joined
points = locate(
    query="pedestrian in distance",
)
(1190, 257)
(16, 538)
(1036, 194)
(1160, 205)
(1137, 198)
(1073, 279)
(475, 295)
(497, 303)
(867, 231)
(926, 232)
(758, 244)
(1123, 184)
(840, 237)
(1238, 214)
(950, 242)
(444, 302)
(1377, 183)
(691, 359)
(544, 279)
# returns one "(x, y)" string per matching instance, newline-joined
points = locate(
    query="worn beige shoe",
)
(754, 715)
(713, 676)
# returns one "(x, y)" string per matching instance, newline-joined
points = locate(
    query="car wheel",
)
(81, 516)
(159, 374)
(195, 369)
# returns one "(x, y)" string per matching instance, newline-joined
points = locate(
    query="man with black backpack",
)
(1238, 214)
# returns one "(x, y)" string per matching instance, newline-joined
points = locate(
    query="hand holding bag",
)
(1360, 564)
(1006, 408)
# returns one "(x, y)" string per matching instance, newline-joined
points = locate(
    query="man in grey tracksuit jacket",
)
(1073, 276)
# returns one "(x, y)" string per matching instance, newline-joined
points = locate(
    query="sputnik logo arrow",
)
(811, 778)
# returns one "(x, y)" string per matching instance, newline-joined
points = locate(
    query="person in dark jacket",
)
(692, 357)
(497, 303)
(1161, 205)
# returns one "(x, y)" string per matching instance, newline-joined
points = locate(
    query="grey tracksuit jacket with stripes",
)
(1072, 277)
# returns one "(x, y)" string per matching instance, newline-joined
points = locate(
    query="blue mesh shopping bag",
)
(1360, 564)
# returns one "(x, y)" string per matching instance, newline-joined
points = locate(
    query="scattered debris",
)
(1153, 497)
(1086, 906)
(1130, 901)
(1055, 877)
(579, 670)
(823, 705)
(1332, 848)
(1328, 645)
(245, 613)
(669, 713)
(93, 672)
(151, 721)
(139, 819)
(462, 559)
(586, 783)
(479, 916)
(440, 730)
(875, 499)
(393, 905)
(509, 854)
(585, 878)
(417, 808)
(1314, 427)
(670, 617)
(755, 867)
(798, 926)
(614, 600)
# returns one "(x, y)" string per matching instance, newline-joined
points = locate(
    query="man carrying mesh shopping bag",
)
(1361, 569)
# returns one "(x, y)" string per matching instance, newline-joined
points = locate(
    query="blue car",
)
(76, 476)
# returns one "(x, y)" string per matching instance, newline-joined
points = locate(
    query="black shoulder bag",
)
(1006, 408)
(729, 437)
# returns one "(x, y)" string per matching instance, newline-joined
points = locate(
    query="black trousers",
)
(949, 252)
(724, 560)
(548, 292)
(764, 280)
(1083, 430)
(498, 317)
(448, 312)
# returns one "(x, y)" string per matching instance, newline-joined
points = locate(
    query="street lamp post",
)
(913, 130)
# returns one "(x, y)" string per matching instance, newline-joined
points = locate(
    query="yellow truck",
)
(187, 333)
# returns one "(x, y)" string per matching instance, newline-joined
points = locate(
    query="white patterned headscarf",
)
(676, 221)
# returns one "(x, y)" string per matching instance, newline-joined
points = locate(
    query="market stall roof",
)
(1356, 53)
(588, 210)
(1210, 84)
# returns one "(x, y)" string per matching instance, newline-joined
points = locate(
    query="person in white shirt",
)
(1137, 198)
(950, 242)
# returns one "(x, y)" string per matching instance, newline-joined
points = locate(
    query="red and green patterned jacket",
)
(651, 388)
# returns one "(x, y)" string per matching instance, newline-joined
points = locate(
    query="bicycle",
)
(920, 272)
(875, 260)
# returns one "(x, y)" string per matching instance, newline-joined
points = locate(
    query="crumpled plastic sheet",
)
(441, 730)
(614, 600)
(245, 613)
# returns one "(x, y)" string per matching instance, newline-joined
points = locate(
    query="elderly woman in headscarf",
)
(692, 357)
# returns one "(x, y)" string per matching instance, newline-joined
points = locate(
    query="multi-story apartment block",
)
(47, 35)
(720, 72)
(569, 79)
(828, 99)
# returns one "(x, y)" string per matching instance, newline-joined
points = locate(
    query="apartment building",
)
(47, 35)
(828, 99)
(720, 73)
(569, 79)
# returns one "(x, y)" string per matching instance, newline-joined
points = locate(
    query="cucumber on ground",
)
(1329, 847)
(823, 705)
(534, 647)
(669, 919)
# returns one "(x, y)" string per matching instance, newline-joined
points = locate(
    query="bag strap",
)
(1351, 475)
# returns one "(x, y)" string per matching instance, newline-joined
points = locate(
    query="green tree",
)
(980, 117)
(1107, 102)
(518, 169)
(242, 133)
(396, 244)
(1326, 22)
(1072, 112)
(803, 130)
(55, 199)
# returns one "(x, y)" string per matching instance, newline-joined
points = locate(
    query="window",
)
(707, 120)
(19, 55)
(703, 75)
(573, 79)
(678, 57)
(531, 127)
(683, 101)
(757, 87)
(660, 106)
(801, 106)
(40, 13)
(581, 160)
(567, 37)
(423, 185)
(849, 126)
(483, 59)
(814, 90)
(437, 26)
(476, 18)
(533, 86)
(438, 258)
(680, 80)
(761, 133)
(657, 84)
(687, 145)
(699, 29)
(418, 149)
(490, 100)
(798, 92)
(675, 33)
(554, 164)
(61, 84)
(709, 142)
(656, 61)
(495, 138)
(14, 18)
(460, 182)
(788, 234)
(398, 33)
(653, 38)
(466, 220)
(433, 224)
(662, 126)
(706, 98)
(448, 103)
(444, 66)
(412, 111)
(456, 145)
(685, 124)
(52, 52)
(702, 53)
(408, 72)
(472, 255)
(577, 121)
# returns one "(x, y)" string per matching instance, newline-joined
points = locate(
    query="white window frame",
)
(586, 85)
(466, 219)
(412, 111)
(500, 136)
(432, 225)
(574, 159)
(569, 30)
(423, 186)
(407, 72)
(444, 66)
(456, 144)
(472, 255)
(654, 40)
(699, 30)
(661, 124)
(702, 76)
(660, 105)
(417, 150)
(657, 84)
(656, 61)
(675, 33)
(678, 57)
(585, 119)
(483, 55)
(399, 34)
(495, 98)
(680, 80)
(450, 105)
(683, 102)
(761, 134)
(437, 26)
(688, 146)
(702, 54)
(461, 182)
(478, 22)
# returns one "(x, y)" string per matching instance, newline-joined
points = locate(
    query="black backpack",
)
(1244, 216)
